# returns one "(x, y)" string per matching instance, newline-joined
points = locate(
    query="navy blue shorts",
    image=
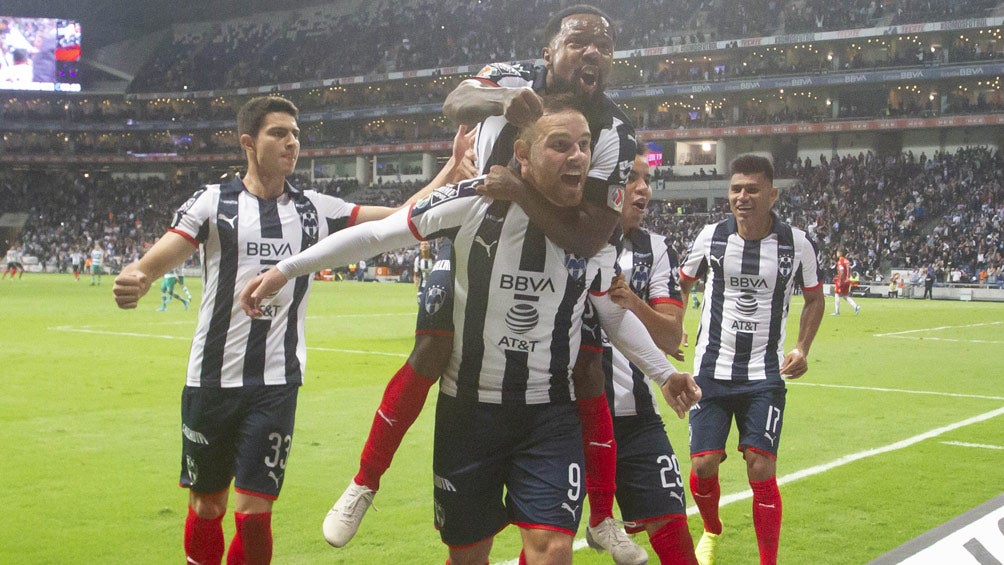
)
(435, 299)
(649, 484)
(241, 433)
(758, 414)
(495, 465)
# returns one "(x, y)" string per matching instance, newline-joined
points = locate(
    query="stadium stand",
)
(884, 119)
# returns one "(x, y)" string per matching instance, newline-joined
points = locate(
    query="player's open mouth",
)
(589, 77)
(571, 179)
(640, 204)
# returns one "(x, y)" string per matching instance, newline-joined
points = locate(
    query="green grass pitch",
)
(89, 407)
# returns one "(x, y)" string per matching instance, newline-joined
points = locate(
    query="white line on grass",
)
(839, 462)
(979, 445)
(905, 334)
(904, 391)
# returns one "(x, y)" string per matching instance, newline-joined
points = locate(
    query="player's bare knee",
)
(706, 465)
(431, 354)
(587, 374)
(208, 506)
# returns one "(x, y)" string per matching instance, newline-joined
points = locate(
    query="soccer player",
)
(13, 259)
(97, 260)
(77, 261)
(577, 59)
(649, 486)
(842, 285)
(423, 266)
(167, 290)
(506, 402)
(752, 261)
(243, 375)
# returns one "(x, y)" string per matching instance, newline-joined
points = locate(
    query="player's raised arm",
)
(473, 100)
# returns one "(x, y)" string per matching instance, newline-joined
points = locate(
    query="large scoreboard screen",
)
(39, 54)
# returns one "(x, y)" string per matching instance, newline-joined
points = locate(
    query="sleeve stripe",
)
(353, 216)
(584, 347)
(817, 285)
(686, 276)
(665, 300)
(487, 81)
(187, 237)
(412, 226)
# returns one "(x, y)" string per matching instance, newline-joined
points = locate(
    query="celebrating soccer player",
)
(752, 261)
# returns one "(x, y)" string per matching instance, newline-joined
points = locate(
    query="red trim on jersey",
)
(486, 81)
(257, 494)
(440, 333)
(411, 225)
(187, 237)
(709, 452)
(819, 284)
(590, 348)
(686, 277)
(665, 300)
(544, 527)
(760, 451)
(354, 215)
(598, 292)
(638, 525)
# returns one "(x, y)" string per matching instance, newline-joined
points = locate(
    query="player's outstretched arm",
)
(474, 100)
(630, 337)
(134, 281)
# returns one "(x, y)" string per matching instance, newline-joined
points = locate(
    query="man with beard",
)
(503, 98)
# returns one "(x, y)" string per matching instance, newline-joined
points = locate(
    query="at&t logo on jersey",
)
(522, 318)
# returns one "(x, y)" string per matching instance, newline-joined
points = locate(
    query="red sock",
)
(204, 538)
(672, 543)
(601, 456)
(767, 518)
(707, 492)
(252, 543)
(402, 402)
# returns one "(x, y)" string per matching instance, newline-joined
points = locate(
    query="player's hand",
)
(681, 393)
(622, 295)
(129, 286)
(261, 288)
(679, 355)
(522, 108)
(794, 365)
(463, 158)
(501, 183)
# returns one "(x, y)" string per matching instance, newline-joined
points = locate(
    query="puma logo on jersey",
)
(715, 262)
(485, 244)
(229, 221)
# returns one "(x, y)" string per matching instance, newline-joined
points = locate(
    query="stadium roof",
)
(109, 21)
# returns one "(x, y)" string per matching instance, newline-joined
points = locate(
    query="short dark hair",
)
(253, 113)
(751, 164)
(554, 24)
(553, 104)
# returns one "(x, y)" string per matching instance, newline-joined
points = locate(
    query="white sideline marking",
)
(906, 333)
(904, 391)
(839, 462)
(979, 445)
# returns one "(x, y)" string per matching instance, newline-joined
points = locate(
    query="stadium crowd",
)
(295, 45)
(904, 212)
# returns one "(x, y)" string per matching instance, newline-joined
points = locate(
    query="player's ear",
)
(521, 150)
(247, 142)
(545, 54)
